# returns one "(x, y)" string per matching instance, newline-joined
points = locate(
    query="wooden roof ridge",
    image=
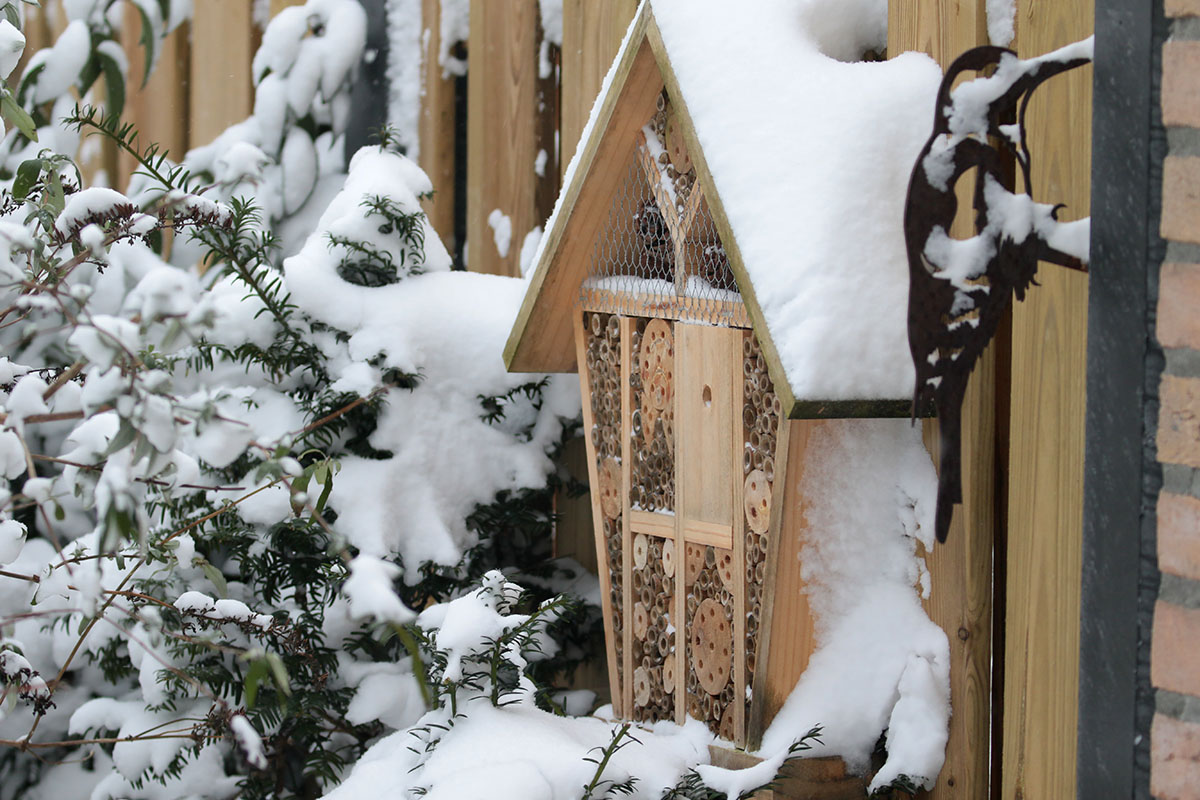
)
(541, 339)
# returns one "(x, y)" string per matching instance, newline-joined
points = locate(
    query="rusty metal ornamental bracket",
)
(959, 288)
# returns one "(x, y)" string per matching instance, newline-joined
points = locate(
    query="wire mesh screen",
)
(660, 255)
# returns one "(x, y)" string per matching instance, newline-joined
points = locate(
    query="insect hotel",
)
(694, 432)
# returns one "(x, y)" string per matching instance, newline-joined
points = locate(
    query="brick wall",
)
(1175, 648)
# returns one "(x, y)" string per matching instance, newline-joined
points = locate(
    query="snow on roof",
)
(810, 156)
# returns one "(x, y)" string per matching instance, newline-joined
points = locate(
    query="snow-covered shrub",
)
(493, 731)
(226, 486)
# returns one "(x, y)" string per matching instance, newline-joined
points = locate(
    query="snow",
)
(550, 13)
(404, 66)
(369, 589)
(91, 202)
(815, 193)
(61, 64)
(522, 753)
(455, 27)
(446, 458)
(501, 226)
(529, 246)
(1001, 21)
(248, 741)
(879, 663)
(12, 539)
(12, 45)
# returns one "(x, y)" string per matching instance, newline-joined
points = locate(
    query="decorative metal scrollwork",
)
(959, 289)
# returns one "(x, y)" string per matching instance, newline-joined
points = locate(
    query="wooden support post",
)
(1047, 437)
(502, 131)
(220, 86)
(961, 569)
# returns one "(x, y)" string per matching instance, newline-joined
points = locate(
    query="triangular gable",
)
(542, 339)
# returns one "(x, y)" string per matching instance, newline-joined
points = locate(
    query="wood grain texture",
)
(787, 619)
(585, 391)
(592, 32)
(220, 86)
(502, 129)
(1047, 440)
(960, 600)
(539, 341)
(435, 126)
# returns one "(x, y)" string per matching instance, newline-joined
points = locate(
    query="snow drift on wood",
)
(880, 663)
(811, 156)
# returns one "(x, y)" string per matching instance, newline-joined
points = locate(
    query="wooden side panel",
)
(502, 132)
(220, 89)
(704, 397)
(592, 32)
(787, 617)
(1047, 440)
(436, 126)
(961, 569)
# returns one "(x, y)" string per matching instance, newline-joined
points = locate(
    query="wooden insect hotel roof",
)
(822, 284)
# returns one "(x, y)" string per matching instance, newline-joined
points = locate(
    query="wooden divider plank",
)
(592, 33)
(1047, 439)
(960, 599)
(585, 389)
(220, 86)
(502, 130)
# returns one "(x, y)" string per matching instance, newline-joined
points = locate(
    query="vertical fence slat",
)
(220, 91)
(159, 109)
(502, 127)
(592, 32)
(961, 569)
(1047, 440)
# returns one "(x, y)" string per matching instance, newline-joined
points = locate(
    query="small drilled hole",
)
(707, 396)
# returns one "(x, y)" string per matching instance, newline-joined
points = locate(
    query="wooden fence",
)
(1007, 583)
